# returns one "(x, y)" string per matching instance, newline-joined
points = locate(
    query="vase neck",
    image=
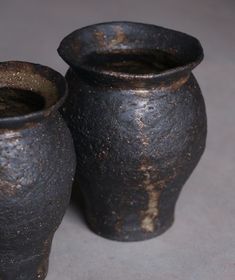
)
(160, 83)
(131, 54)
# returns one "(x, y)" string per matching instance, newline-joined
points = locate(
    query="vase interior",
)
(18, 102)
(135, 61)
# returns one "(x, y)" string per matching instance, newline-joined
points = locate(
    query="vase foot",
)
(138, 234)
(33, 266)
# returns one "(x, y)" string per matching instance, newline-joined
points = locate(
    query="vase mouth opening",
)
(131, 50)
(28, 92)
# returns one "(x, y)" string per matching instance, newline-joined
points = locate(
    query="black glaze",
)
(138, 137)
(37, 166)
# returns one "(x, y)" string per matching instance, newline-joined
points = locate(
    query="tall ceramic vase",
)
(37, 164)
(138, 120)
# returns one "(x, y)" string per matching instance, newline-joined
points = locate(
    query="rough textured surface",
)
(36, 171)
(201, 243)
(138, 137)
(37, 164)
(134, 153)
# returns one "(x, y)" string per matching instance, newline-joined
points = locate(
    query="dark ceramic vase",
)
(138, 120)
(37, 164)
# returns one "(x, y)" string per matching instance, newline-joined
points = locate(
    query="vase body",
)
(37, 166)
(138, 134)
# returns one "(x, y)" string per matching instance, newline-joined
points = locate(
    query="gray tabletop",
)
(201, 243)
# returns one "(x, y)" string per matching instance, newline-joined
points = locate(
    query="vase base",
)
(131, 236)
(26, 270)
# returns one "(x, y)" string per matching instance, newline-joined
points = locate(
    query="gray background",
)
(201, 244)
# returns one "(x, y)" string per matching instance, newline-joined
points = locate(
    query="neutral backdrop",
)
(201, 243)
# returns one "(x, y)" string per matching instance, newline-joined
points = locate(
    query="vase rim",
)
(36, 79)
(78, 43)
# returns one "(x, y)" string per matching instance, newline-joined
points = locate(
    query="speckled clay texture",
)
(36, 172)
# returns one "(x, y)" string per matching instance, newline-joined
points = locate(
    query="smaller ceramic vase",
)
(138, 121)
(37, 164)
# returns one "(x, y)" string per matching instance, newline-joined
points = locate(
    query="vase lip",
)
(37, 79)
(70, 47)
